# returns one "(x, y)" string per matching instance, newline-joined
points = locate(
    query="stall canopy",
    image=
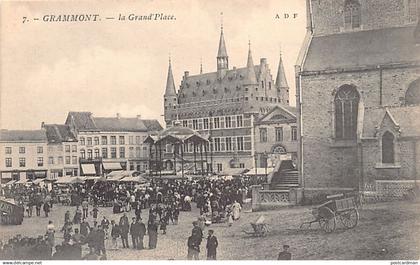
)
(112, 166)
(260, 171)
(134, 179)
(21, 181)
(70, 180)
(88, 169)
(11, 182)
(37, 181)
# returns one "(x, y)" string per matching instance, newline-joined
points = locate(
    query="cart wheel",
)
(327, 219)
(350, 218)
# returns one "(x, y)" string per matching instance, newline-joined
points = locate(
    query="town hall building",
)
(237, 109)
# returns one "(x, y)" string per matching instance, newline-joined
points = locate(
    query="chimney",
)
(42, 125)
(118, 116)
(263, 61)
(139, 117)
(186, 74)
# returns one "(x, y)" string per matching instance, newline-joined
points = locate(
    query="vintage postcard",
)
(210, 130)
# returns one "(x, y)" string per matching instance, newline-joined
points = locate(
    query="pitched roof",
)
(362, 48)
(214, 88)
(406, 117)
(119, 124)
(152, 125)
(86, 122)
(82, 120)
(279, 113)
(23, 136)
(57, 133)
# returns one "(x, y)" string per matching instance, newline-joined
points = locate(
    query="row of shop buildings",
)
(83, 146)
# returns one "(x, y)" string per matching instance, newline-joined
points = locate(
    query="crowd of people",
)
(218, 200)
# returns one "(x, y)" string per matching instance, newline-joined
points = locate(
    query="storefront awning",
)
(88, 169)
(112, 166)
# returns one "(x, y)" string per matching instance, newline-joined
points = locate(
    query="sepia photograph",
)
(210, 130)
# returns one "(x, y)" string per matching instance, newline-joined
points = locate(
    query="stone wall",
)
(330, 163)
(328, 16)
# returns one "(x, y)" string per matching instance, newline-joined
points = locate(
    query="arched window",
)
(352, 14)
(388, 148)
(346, 108)
(412, 96)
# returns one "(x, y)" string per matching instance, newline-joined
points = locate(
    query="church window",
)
(352, 14)
(262, 84)
(412, 96)
(279, 134)
(269, 85)
(346, 110)
(412, 10)
(388, 148)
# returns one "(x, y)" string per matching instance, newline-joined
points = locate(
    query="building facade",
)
(111, 143)
(62, 150)
(24, 155)
(358, 93)
(226, 105)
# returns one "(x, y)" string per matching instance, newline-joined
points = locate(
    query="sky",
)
(110, 66)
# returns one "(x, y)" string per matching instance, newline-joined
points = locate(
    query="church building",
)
(358, 94)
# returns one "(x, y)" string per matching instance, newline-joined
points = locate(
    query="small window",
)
(279, 134)
(8, 150)
(22, 162)
(294, 133)
(8, 162)
(40, 161)
(21, 150)
(39, 150)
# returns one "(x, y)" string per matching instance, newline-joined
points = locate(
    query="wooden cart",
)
(337, 208)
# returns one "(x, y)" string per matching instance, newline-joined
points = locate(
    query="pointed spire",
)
(250, 71)
(281, 80)
(222, 46)
(170, 84)
(201, 65)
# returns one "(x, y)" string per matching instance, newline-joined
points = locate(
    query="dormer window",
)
(352, 14)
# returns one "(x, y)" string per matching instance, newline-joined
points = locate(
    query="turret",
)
(251, 78)
(222, 57)
(170, 97)
(281, 83)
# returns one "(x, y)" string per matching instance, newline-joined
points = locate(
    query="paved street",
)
(385, 231)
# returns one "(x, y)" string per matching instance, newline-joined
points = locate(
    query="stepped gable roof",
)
(362, 48)
(120, 124)
(57, 133)
(406, 117)
(23, 136)
(83, 120)
(208, 81)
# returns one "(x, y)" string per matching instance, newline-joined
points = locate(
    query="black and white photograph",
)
(186, 130)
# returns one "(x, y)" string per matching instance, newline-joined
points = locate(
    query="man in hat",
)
(134, 231)
(142, 232)
(285, 254)
(124, 229)
(211, 246)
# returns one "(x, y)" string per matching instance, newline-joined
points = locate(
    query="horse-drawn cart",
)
(336, 208)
